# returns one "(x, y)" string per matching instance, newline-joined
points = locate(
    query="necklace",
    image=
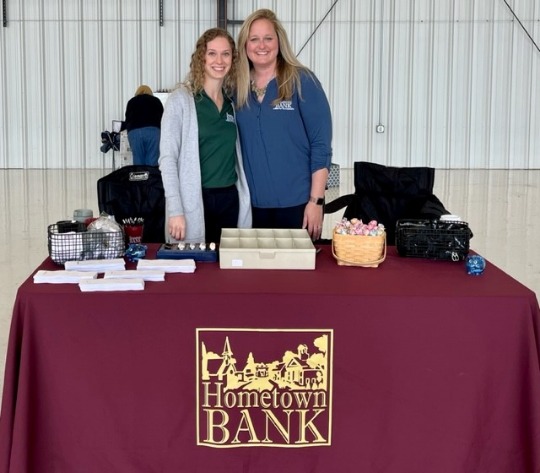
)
(259, 91)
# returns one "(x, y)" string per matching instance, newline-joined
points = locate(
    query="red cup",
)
(133, 233)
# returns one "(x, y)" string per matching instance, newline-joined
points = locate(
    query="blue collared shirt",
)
(284, 144)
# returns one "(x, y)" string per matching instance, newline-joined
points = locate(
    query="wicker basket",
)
(359, 250)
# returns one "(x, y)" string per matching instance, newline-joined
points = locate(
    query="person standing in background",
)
(200, 158)
(143, 123)
(285, 128)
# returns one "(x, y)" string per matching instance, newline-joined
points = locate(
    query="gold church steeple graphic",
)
(253, 390)
(298, 370)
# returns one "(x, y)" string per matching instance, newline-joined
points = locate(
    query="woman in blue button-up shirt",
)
(285, 128)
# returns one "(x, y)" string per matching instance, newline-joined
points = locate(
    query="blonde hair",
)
(143, 90)
(195, 78)
(287, 68)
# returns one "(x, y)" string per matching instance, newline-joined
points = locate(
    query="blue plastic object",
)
(475, 265)
(172, 251)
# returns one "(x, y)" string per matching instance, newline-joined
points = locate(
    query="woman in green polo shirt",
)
(200, 158)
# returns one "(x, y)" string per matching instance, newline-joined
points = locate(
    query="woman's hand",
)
(177, 227)
(313, 213)
(313, 220)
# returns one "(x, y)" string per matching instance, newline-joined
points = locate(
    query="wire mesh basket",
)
(77, 244)
(433, 239)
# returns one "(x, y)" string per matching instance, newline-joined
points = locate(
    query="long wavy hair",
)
(288, 67)
(194, 80)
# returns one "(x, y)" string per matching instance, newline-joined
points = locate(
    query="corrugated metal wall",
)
(455, 83)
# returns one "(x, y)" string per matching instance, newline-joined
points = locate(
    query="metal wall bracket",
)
(222, 14)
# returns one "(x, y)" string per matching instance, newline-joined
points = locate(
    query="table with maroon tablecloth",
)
(414, 366)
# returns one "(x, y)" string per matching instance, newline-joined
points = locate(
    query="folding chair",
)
(135, 191)
(387, 194)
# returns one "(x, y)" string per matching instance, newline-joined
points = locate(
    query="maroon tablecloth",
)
(411, 367)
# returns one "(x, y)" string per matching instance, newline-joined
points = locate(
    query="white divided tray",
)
(266, 249)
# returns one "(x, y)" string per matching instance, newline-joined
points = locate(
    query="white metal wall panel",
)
(480, 101)
(355, 101)
(454, 82)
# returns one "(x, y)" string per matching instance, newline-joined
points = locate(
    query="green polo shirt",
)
(217, 142)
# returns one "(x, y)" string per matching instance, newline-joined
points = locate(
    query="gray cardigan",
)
(181, 170)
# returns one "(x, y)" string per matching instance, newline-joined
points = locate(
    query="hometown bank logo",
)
(264, 388)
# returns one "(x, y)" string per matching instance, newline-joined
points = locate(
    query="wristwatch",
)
(317, 200)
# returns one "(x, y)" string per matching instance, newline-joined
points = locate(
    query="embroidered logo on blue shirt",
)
(284, 105)
(230, 118)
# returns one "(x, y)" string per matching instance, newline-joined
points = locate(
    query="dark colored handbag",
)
(135, 192)
(433, 239)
